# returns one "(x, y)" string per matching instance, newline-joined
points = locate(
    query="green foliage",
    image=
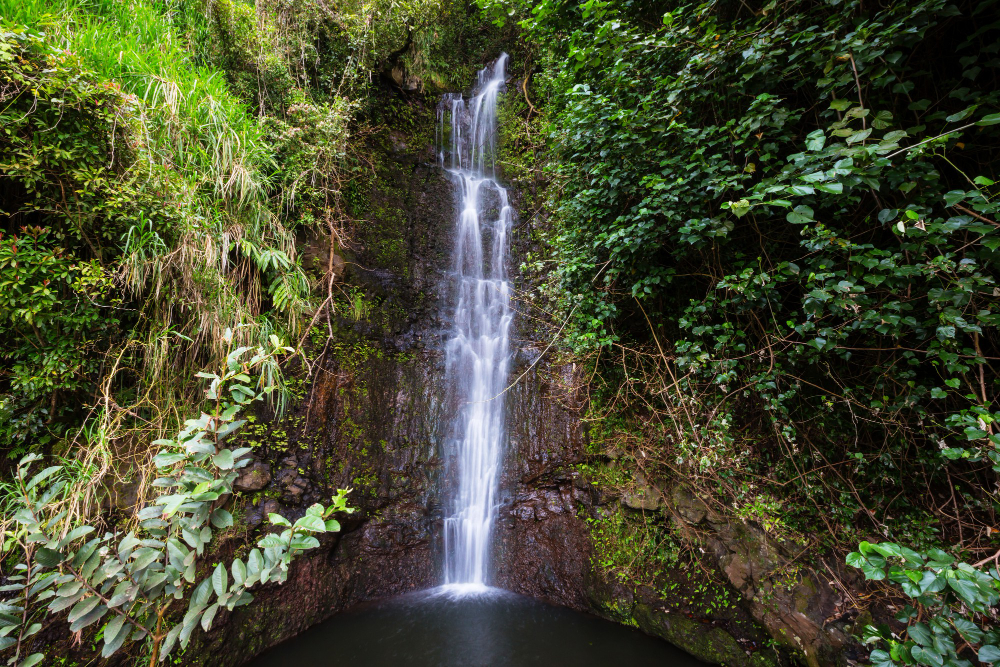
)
(773, 234)
(137, 225)
(792, 216)
(949, 615)
(50, 305)
(134, 578)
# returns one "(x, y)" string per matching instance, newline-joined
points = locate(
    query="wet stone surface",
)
(372, 421)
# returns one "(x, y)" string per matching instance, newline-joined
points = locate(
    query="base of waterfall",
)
(466, 590)
(470, 625)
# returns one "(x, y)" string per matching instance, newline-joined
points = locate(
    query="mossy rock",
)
(705, 641)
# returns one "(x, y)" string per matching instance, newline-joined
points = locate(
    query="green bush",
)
(950, 610)
(135, 577)
(789, 218)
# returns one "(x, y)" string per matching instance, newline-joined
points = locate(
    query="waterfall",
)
(478, 350)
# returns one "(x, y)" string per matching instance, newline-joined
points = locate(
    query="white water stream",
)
(478, 351)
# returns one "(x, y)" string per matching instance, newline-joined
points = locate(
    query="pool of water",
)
(444, 627)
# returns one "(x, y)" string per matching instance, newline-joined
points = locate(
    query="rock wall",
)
(369, 418)
(372, 420)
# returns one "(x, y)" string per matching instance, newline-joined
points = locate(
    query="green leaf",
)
(927, 656)
(989, 653)
(278, 520)
(311, 522)
(239, 572)
(882, 120)
(42, 476)
(224, 459)
(953, 197)
(82, 608)
(815, 140)
(167, 459)
(304, 542)
(800, 215)
(255, 562)
(990, 119)
(48, 557)
(833, 188)
(966, 590)
(866, 565)
(143, 557)
(75, 534)
(859, 136)
(961, 115)
(169, 642)
(113, 628)
(937, 557)
(220, 579)
(919, 633)
(271, 541)
(222, 519)
(202, 594)
(209, 615)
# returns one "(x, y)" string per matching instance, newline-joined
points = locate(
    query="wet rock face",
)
(368, 420)
(371, 420)
(543, 547)
(796, 604)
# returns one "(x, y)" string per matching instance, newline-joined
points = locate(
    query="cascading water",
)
(466, 622)
(477, 352)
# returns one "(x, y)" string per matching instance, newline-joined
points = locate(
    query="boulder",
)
(254, 477)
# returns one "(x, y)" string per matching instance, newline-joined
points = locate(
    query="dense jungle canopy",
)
(766, 233)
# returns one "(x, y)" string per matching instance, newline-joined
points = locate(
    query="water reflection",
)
(444, 627)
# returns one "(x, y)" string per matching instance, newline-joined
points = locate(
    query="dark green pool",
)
(493, 627)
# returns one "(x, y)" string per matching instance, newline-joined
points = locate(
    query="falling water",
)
(478, 351)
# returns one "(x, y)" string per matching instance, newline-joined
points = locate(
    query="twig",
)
(975, 215)
(858, 81)
(945, 134)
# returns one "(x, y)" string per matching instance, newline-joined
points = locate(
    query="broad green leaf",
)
(113, 628)
(224, 459)
(208, 617)
(202, 594)
(311, 522)
(48, 557)
(220, 579)
(169, 641)
(142, 558)
(270, 542)
(919, 633)
(239, 572)
(82, 608)
(966, 590)
(815, 140)
(75, 534)
(927, 656)
(989, 653)
(222, 519)
(32, 660)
